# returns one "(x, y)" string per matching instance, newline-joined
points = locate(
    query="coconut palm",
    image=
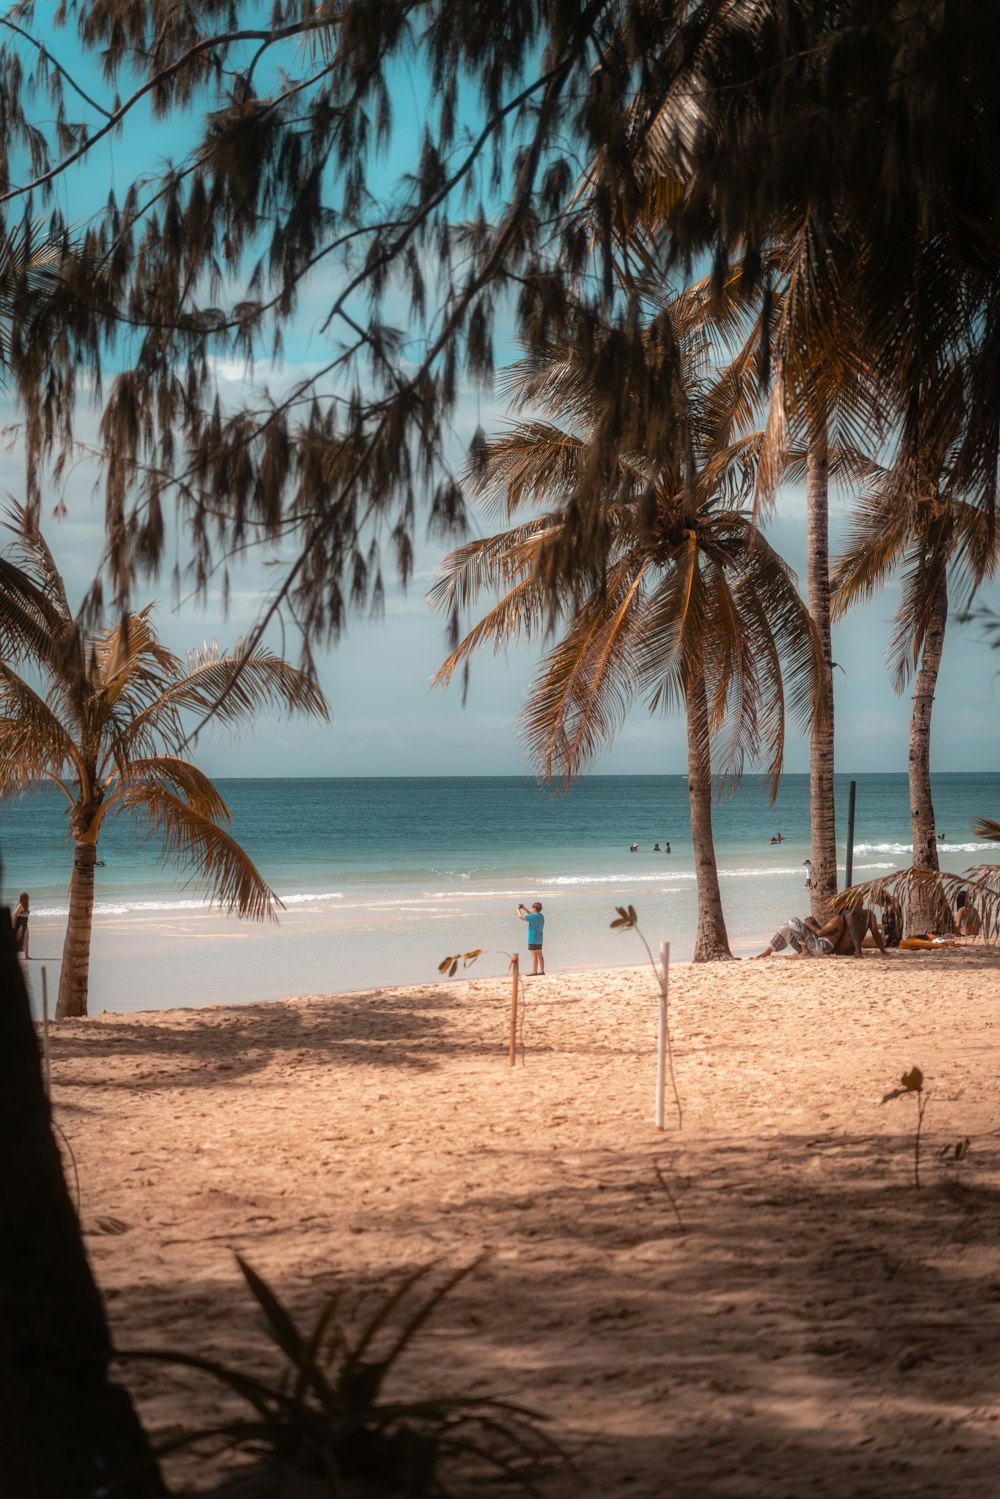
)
(691, 608)
(878, 307)
(102, 716)
(936, 538)
(822, 398)
(796, 367)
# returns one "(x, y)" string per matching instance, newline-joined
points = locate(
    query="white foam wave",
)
(301, 900)
(147, 907)
(127, 908)
(614, 879)
(906, 849)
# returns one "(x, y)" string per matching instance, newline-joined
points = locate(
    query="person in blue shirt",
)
(536, 924)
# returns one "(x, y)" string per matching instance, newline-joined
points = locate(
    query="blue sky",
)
(386, 721)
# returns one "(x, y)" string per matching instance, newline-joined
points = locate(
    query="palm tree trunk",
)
(920, 916)
(821, 800)
(74, 979)
(711, 941)
(67, 1428)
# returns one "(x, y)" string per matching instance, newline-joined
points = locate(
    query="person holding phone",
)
(536, 925)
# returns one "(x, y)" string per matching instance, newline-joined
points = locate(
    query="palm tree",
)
(106, 725)
(789, 328)
(691, 607)
(821, 391)
(935, 536)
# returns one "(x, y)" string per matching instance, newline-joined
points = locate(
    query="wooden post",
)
(45, 1033)
(661, 1040)
(515, 973)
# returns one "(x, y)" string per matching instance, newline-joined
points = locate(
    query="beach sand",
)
(812, 1326)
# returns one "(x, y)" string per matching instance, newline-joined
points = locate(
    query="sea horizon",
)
(382, 877)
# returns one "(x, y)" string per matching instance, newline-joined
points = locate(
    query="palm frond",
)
(935, 890)
(235, 688)
(179, 776)
(585, 685)
(30, 729)
(205, 852)
(30, 550)
(488, 563)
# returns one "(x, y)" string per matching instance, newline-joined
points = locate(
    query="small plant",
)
(628, 920)
(913, 1082)
(324, 1415)
(449, 965)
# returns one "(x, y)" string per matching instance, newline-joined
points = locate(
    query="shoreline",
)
(803, 1315)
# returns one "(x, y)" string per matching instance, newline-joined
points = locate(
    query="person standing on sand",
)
(536, 925)
(807, 865)
(21, 914)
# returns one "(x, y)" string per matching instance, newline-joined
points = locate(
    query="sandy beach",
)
(796, 1321)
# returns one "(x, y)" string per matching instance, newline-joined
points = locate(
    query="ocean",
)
(383, 878)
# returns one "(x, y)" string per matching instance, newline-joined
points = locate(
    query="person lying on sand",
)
(798, 933)
(841, 936)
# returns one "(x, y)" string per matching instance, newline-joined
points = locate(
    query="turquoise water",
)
(381, 878)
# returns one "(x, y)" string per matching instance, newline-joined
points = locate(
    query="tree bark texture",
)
(75, 976)
(821, 764)
(65, 1428)
(711, 941)
(922, 915)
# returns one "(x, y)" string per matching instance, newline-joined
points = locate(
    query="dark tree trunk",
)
(821, 797)
(66, 1429)
(74, 979)
(711, 941)
(922, 915)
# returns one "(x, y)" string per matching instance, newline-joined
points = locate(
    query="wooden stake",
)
(661, 1043)
(515, 976)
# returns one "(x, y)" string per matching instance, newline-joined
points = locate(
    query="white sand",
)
(817, 1329)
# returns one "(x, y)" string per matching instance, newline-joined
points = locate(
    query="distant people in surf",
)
(778, 838)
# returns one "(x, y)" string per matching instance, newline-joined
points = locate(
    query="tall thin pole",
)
(515, 972)
(852, 793)
(661, 1040)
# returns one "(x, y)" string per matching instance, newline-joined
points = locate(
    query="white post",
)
(661, 1043)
